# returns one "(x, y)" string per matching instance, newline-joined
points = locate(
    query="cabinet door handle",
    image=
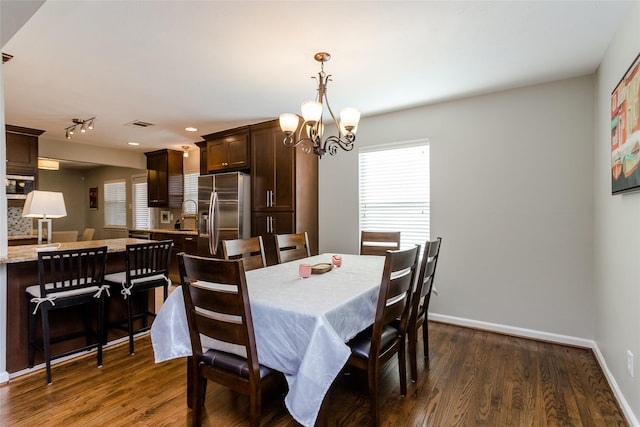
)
(267, 224)
(272, 203)
(273, 228)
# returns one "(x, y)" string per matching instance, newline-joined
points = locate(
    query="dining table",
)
(301, 326)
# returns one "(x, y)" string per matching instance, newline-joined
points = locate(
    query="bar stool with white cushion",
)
(147, 267)
(67, 278)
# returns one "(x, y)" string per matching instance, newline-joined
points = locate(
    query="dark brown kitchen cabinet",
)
(22, 150)
(273, 223)
(273, 171)
(284, 187)
(181, 243)
(267, 225)
(227, 153)
(164, 179)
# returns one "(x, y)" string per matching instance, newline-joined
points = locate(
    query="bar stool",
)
(147, 267)
(66, 279)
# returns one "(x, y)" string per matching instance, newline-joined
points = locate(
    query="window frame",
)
(107, 204)
(410, 232)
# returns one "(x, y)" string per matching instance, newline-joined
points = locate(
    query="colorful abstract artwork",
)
(625, 131)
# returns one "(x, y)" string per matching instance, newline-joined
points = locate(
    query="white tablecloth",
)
(300, 325)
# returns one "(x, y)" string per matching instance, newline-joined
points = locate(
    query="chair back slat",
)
(379, 242)
(291, 247)
(61, 271)
(250, 250)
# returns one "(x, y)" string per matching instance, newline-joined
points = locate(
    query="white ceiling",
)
(221, 64)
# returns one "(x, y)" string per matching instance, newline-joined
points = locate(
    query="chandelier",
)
(311, 132)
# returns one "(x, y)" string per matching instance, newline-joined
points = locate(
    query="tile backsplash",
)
(16, 224)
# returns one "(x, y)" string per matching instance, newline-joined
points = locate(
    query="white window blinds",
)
(115, 204)
(140, 205)
(395, 191)
(191, 192)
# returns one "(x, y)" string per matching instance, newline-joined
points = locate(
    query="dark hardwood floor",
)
(474, 378)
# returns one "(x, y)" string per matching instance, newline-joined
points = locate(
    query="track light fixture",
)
(84, 125)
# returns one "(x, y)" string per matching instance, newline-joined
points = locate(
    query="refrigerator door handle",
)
(213, 226)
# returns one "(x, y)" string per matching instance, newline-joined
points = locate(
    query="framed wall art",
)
(93, 198)
(625, 131)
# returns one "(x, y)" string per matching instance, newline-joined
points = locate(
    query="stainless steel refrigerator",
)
(224, 211)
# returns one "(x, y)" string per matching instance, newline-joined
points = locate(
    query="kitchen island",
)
(22, 272)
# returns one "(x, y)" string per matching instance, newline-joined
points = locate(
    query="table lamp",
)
(44, 205)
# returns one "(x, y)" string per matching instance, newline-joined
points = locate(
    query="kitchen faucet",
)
(188, 219)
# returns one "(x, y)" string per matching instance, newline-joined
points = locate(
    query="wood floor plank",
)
(472, 378)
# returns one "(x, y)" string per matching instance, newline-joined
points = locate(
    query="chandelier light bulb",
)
(289, 122)
(349, 118)
(311, 111)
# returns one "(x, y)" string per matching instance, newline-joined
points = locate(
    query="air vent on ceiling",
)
(6, 57)
(140, 123)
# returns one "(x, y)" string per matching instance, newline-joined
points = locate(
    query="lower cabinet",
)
(181, 243)
(267, 225)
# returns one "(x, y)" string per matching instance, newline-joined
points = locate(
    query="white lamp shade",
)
(44, 204)
(289, 122)
(311, 111)
(349, 117)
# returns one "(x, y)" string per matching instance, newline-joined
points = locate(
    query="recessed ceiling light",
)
(191, 129)
(132, 143)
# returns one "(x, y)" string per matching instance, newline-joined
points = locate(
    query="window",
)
(140, 206)
(115, 204)
(395, 190)
(191, 192)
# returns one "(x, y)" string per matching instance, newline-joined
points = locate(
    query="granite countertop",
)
(23, 237)
(165, 231)
(24, 253)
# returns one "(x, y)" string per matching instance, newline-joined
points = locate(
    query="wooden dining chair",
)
(69, 278)
(250, 250)
(290, 247)
(376, 345)
(87, 234)
(147, 268)
(217, 306)
(420, 304)
(379, 242)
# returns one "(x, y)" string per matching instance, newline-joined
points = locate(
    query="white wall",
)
(66, 150)
(617, 229)
(4, 376)
(512, 198)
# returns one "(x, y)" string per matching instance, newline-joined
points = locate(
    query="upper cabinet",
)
(225, 151)
(284, 187)
(272, 169)
(22, 150)
(164, 179)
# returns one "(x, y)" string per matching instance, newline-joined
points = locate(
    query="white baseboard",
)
(4, 377)
(631, 418)
(549, 337)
